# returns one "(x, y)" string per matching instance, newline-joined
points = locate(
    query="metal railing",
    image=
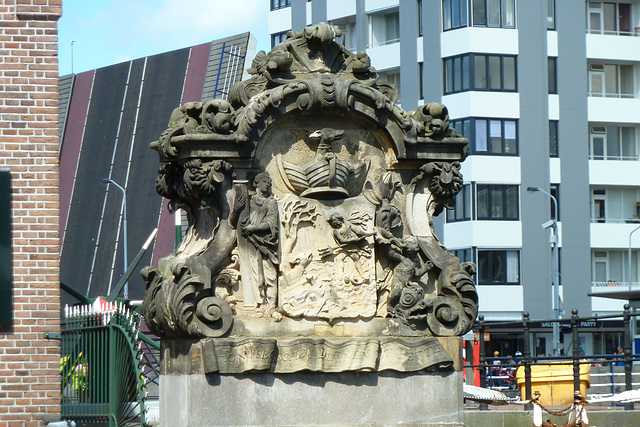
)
(383, 42)
(619, 95)
(609, 220)
(634, 33)
(607, 287)
(492, 374)
(105, 366)
(616, 157)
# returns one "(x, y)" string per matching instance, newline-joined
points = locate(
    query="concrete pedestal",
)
(305, 398)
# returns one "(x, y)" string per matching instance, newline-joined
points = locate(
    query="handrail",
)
(102, 376)
(77, 295)
(576, 359)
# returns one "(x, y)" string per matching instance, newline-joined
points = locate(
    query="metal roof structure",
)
(108, 117)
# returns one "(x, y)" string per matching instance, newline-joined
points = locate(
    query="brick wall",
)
(29, 364)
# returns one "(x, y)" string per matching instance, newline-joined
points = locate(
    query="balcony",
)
(612, 233)
(601, 220)
(613, 287)
(613, 108)
(619, 173)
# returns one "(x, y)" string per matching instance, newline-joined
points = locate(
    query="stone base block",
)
(306, 398)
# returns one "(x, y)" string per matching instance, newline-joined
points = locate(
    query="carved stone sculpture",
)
(309, 195)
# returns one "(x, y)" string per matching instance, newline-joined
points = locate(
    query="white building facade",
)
(548, 93)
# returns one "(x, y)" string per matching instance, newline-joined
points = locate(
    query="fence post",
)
(482, 360)
(527, 360)
(628, 367)
(576, 350)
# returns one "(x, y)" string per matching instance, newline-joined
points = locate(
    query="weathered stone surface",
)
(413, 354)
(310, 287)
(324, 276)
(313, 398)
(317, 354)
(309, 195)
(327, 355)
(240, 355)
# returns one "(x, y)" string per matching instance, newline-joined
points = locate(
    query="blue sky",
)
(107, 32)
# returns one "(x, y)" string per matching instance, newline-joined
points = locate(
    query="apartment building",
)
(548, 94)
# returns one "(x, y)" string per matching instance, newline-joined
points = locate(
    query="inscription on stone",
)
(327, 356)
(235, 356)
(412, 354)
(232, 356)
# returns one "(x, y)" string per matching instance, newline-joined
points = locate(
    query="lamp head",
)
(532, 189)
(104, 180)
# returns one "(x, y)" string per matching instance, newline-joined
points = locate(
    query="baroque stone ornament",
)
(309, 196)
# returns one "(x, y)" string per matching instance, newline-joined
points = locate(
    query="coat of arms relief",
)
(309, 195)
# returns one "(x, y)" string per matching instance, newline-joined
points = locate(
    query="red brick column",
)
(29, 364)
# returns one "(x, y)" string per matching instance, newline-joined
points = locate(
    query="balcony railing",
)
(383, 43)
(613, 157)
(598, 94)
(610, 287)
(634, 33)
(601, 220)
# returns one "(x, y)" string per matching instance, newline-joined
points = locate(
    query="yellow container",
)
(554, 382)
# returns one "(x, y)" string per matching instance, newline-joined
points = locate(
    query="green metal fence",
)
(103, 366)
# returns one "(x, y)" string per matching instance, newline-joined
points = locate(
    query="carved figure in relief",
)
(406, 297)
(350, 237)
(258, 224)
(307, 255)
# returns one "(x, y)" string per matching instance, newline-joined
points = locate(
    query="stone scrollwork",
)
(179, 305)
(309, 196)
(444, 182)
(434, 119)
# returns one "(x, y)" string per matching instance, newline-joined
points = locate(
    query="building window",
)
(278, 38)
(551, 14)
(454, 14)
(613, 143)
(498, 267)
(598, 205)
(479, 72)
(493, 13)
(279, 4)
(348, 28)
(496, 137)
(553, 138)
(497, 202)
(615, 205)
(462, 209)
(609, 18)
(463, 127)
(612, 266)
(553, 74)
(384, 28)
(464, 255)
(393, 77)
(611, 80)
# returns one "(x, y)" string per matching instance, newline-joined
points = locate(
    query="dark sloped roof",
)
(108, 117)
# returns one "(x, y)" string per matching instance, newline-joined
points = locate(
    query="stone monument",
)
(310, 287)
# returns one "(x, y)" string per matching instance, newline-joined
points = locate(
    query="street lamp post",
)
(553, 239)
(629, 257)
(107, 181)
